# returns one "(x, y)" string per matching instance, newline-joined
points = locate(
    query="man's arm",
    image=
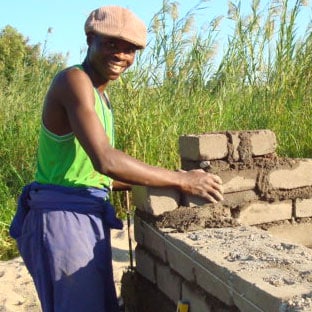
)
(75, 91)
(121, 186)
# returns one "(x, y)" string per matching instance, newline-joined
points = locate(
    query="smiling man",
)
(64, 217)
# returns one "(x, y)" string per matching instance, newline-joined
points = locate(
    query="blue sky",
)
(33, 18)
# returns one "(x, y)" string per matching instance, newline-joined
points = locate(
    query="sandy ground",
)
(17, 293)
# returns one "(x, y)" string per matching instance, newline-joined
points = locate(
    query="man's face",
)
(109, 56)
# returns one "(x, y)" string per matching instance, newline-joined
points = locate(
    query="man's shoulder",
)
(72, 70)
(73, 73)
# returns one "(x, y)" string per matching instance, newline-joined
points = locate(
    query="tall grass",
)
(262, 81)
(20, 111)
(175, 88)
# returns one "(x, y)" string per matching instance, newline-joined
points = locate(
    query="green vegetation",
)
(25, 74)
(262, 82)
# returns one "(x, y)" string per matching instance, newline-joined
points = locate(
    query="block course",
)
(258, 177)
(234, 280)
(259, 188)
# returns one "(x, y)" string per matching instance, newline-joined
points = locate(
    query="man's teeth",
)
(116, 68)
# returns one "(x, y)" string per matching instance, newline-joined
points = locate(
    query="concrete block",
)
(180, 262)
(303, 208)
(297, 233)
(139, 230)
(195, 298)
(254, 292)
(168, 282)
(263, 212)
(299, 176)
(208, 280)
(203, 147)
(208, 274)
(262, 142)
(188, 200)
(220, 165)
(187, 164)
(154, 241)
(194, 246)
(239, 198)
(155, 200)
(238, 180)
(234, 140)
(145, 264)
(261, 272)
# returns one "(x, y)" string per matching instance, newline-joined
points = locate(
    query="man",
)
(64, 218)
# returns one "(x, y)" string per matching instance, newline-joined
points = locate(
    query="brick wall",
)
(212, 255)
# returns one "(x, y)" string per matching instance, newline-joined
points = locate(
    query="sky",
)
(66, 18)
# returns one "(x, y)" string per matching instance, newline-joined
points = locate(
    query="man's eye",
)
(112, 44)
(132, 50)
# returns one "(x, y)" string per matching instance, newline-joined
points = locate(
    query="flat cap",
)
(117, 22)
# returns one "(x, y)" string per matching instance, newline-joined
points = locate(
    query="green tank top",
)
(63, 161)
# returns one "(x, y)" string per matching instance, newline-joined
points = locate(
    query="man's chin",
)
(114, 77)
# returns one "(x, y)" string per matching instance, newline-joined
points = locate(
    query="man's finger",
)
(216, 178)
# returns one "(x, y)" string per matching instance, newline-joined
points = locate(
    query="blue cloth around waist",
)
(56, 197)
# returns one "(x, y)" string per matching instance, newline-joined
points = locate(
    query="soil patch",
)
(185, 219)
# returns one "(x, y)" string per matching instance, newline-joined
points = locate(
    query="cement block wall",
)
(212, 255)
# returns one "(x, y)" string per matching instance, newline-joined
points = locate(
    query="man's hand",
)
(203, 184)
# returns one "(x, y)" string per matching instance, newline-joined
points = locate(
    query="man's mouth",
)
(116, 69)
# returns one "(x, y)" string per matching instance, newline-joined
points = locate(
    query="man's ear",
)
(90, 38)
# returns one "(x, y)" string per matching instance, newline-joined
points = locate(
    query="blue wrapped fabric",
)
(63, 235)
